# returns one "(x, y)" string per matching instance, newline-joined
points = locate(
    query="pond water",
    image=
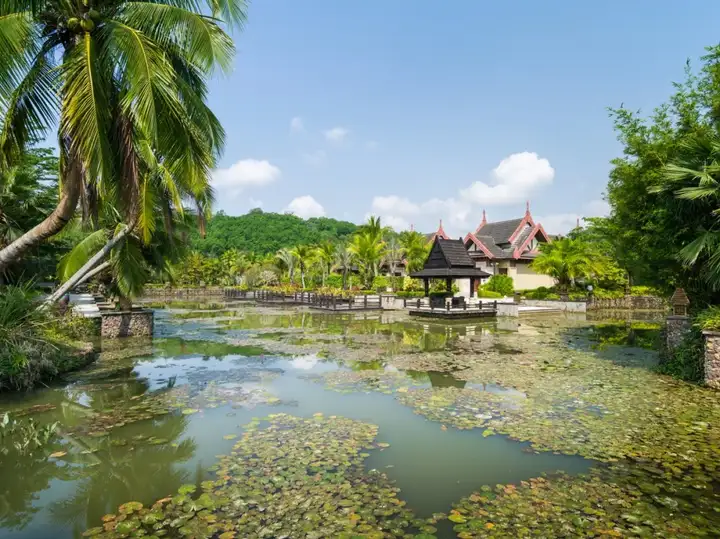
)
(299, 424)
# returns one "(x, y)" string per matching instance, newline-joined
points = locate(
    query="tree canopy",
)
(265, 233)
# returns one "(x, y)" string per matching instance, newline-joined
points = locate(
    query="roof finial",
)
(440, 223)
(412, 227)
(484, 221)
(577, 223)
(527, 207)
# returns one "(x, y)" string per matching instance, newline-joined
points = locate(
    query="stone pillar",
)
(712, 359)
(676, 327)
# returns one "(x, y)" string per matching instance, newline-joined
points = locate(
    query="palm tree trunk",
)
(302, 276)
(53, 223)
(89, 265)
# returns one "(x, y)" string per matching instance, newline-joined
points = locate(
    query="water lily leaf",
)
(58, 454)
(190, 411)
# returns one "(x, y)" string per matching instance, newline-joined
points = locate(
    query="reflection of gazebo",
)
(448, 259)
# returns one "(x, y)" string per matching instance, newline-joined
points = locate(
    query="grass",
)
(36, 345)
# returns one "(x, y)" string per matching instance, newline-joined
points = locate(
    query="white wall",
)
(526, 279)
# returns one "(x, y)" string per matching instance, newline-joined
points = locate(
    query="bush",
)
(542, 292)
(30, 350)
(485, 293)
(410, 294)
(709, 319)
(503, 284)
(645, 291)
(687, 361)
(409, 284)
(334, 280)
(380, 283)
(73, 326)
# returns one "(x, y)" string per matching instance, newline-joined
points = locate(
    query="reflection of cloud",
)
(305, 362)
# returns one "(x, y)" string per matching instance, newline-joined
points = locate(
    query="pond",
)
(242, 421)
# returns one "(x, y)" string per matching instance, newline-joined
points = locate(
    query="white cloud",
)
(336, 134)
(371, 144)
(514, 180)
(315, 159)
(254, 203)
(243, 174)
(384, 205)
(297, 125)
(305, 207)
(561, 223)
(305, 363)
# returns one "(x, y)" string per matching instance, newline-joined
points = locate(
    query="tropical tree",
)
(567, 260)
(125, 84)
(368, 251)
(303, 255)
(325, 254)
(344, 261)
(286, 260)
(373, 229)
(415, 249)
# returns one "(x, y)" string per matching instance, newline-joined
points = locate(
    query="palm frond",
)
(85, 114)
(80, 254)
(147, 216)
(128, 267)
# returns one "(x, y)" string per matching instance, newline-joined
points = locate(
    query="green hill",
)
(262, 233)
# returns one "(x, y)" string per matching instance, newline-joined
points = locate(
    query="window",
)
(502, 271)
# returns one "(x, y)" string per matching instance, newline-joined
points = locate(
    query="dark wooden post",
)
(472, 287)
(333, 302)
(418, 303)
(426, 282)
(495, 305)
(365, 301)
(480, 305)
(448, 284)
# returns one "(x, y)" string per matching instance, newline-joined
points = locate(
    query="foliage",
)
(350, 499)
(368, 250)
(411, 285)
(410, 294)
(567, 260)
(687, 360)
(29, 350)
(125, 85)
(415, 249)
(334, 280)
(502, 284)
(645, 291)
(28, 193)
(484, 292)
(380, 283)
(661, 191)
(708, 319)
(266, 233)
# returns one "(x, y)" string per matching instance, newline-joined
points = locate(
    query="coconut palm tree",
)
(368, 252)
(125, 84)
(567, 260)
(325, 253)
(415, 249)
(302, 254)
(344, 261)
(286, 260)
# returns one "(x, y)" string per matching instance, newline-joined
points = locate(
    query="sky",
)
(418, 110)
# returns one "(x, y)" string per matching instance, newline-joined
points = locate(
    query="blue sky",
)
(418, 110)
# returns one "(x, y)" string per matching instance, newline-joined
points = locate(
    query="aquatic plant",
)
(295, 478)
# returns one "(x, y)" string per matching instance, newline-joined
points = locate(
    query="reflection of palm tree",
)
(118, 469)
(444, 379)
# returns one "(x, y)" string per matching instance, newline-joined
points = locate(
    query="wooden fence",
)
(326, 302)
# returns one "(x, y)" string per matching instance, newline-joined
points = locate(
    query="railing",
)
(329, 302)
(455, 306)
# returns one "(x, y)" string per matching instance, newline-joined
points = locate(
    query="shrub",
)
(73, 326)
(380, 283)
(502, 284)
(687, 361)
(334, 280)
(645, 291)
(542, 292)
(485, 293)
(410, 284)
(410, 294)
(709, 319)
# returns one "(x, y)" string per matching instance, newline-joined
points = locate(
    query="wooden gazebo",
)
(448, 259)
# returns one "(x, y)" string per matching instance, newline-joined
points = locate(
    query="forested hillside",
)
(265, 232)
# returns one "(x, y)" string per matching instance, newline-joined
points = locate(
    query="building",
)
(508, 247)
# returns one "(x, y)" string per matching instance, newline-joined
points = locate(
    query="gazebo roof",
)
(449, 258)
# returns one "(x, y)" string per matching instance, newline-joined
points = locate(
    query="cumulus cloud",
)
(513, 180)
(305, 207)
(336, 134)
(243, 174)
(297, 125)
(315, 159)
(562, 223)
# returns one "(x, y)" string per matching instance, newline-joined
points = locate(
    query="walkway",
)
(84, 305)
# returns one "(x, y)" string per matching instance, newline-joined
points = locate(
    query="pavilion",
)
(449, 260)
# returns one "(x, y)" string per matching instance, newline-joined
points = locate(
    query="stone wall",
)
(135, 323)
(676, 327)
(567, 306)
(712, 359)
(210, 291)
(637, 303)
